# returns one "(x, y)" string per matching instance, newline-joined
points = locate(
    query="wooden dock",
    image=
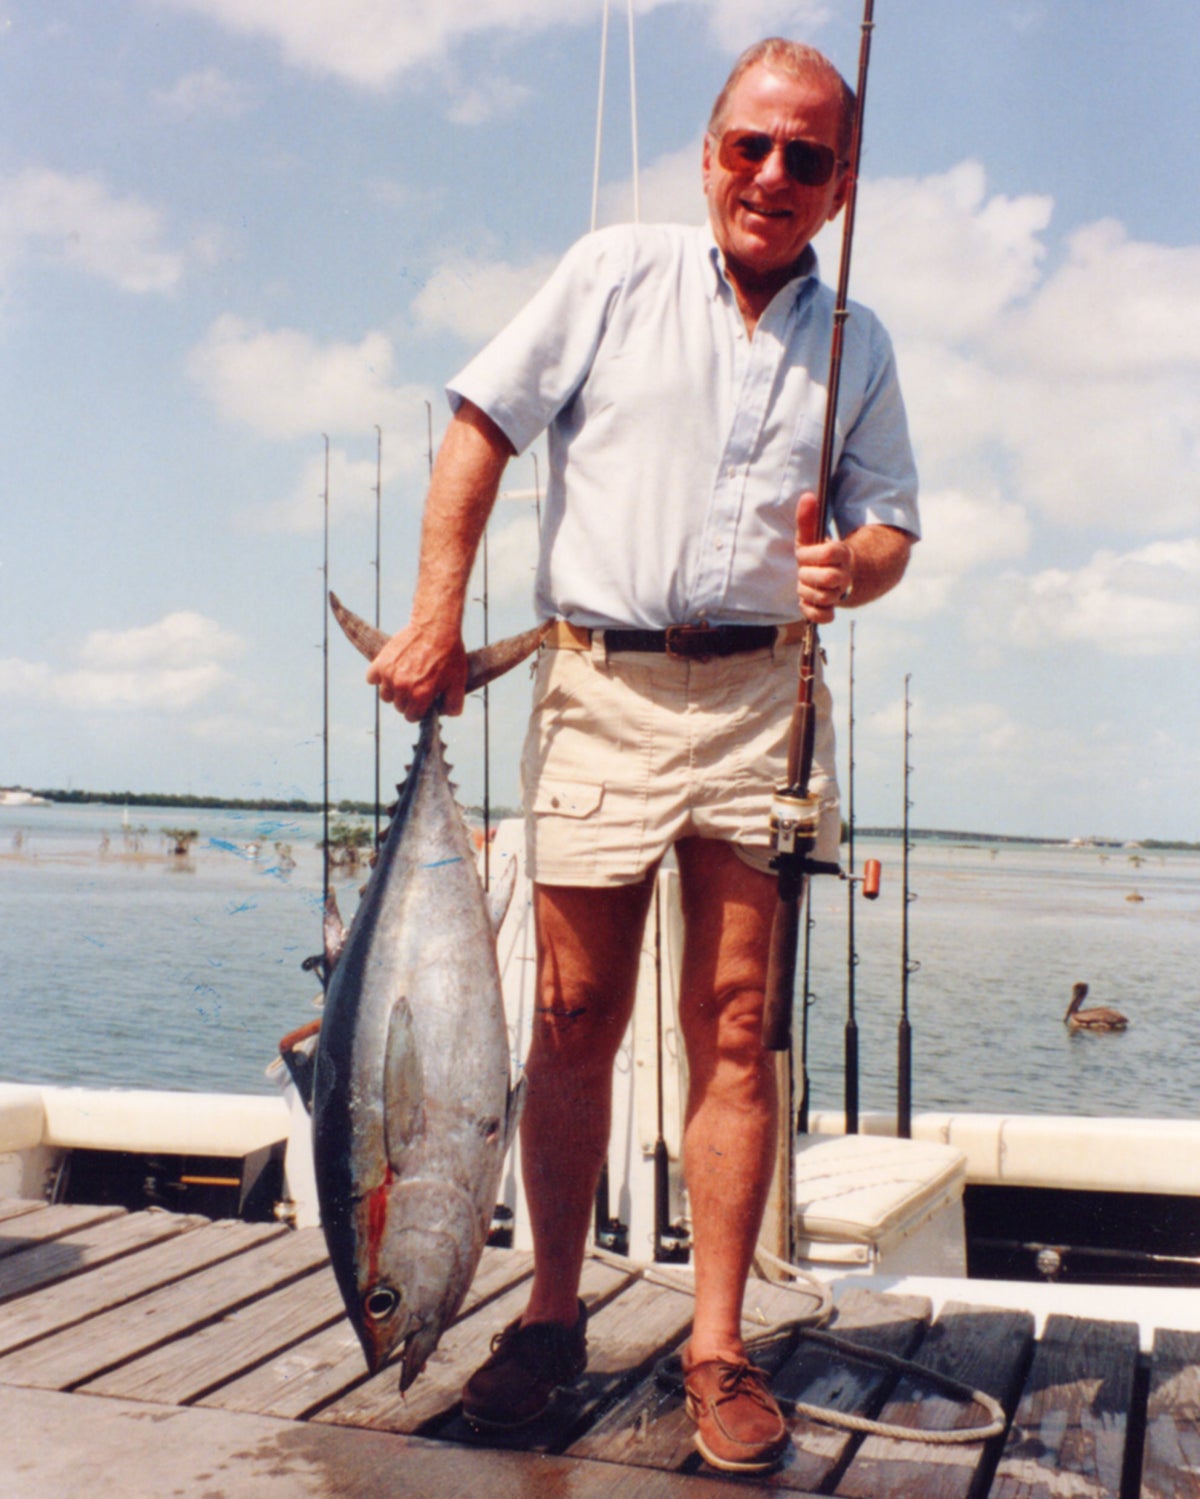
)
(147, 1354)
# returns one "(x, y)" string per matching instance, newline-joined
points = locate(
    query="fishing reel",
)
(794, 821)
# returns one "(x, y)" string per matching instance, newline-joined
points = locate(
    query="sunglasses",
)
(807, 162)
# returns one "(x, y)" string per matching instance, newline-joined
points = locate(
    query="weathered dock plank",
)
(890, 1323)
(29, 1229)
(984, 1349)
(56, 1306)
(378, 1403)
(1171, 1456)
(17, 1207)
(60, 1446)
(1068, 1433)
(318, 1370)
(75, 1354)
(200, 1358)
(84, 1248)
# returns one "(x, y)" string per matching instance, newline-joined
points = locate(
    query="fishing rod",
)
(378, 527)
(850, 1079)
(662, 1164)
(795, 812)
(907, 965)
(325, 709)
(869, 880)
(806, 1004)
(671, 1245)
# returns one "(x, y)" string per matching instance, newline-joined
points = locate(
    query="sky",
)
(234, 230)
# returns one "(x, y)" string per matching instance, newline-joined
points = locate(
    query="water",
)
(133, 968)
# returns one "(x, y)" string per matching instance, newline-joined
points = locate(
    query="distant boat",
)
(15, 796)
(1098, 1018)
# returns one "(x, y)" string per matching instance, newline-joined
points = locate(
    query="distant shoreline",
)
(346, 807)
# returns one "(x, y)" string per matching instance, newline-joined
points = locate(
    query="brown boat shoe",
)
(739, 1427)
(526, 1366)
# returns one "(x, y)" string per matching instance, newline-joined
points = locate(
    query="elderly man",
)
(680, 372)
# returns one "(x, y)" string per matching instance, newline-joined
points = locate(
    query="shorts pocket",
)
(567, 798)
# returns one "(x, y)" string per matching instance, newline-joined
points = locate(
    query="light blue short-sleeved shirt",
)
(678, 444)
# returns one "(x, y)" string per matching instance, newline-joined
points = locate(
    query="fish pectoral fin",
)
(499, 897)
(512, 1112)
(403, 1084)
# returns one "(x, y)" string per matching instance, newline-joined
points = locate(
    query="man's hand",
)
(417, 668)
(861, 567)
(825, 576)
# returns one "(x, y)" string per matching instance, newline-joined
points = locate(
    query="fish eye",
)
(380, 1302)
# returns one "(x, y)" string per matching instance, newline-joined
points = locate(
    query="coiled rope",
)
(668, 1372)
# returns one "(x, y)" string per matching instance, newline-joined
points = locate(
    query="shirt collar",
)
(807, 268)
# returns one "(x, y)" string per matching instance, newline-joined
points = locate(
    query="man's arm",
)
(859, 568)
(426, 659)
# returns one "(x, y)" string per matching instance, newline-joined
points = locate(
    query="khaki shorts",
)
(625, 755)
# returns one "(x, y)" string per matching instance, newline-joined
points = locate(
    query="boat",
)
(160, 1256)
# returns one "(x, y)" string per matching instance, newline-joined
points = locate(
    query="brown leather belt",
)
(680, 642)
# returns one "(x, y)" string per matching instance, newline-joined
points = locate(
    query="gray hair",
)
(797, 60)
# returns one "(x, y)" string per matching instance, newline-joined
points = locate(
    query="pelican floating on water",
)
(1099, 1018)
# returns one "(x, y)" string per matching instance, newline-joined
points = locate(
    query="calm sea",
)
(122, 965)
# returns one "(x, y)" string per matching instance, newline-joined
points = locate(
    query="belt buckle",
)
(687, 642)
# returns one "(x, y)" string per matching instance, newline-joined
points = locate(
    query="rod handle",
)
(781, 975)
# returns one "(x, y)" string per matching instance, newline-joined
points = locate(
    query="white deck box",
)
(880, 1205)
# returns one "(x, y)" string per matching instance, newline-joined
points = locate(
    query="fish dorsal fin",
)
(499, 897)
(403, 1084)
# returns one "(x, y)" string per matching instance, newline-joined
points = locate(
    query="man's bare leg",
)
(729, 1137)
(589, 946)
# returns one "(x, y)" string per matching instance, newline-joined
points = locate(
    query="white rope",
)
(600, 115)
(633, 116)
(633, 122)
(958, 1391)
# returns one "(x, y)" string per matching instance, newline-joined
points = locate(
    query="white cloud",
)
(371, 43)
(52, 216)
(282, 383)
(170, 665)
(474, 298)
(206, 92)
(351, 481)
(1142, 603)
(512, 556)
(1072, 388)
(964, 535)
(1115, 308)
(478, 103)
(669, 191)
(940, 258)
